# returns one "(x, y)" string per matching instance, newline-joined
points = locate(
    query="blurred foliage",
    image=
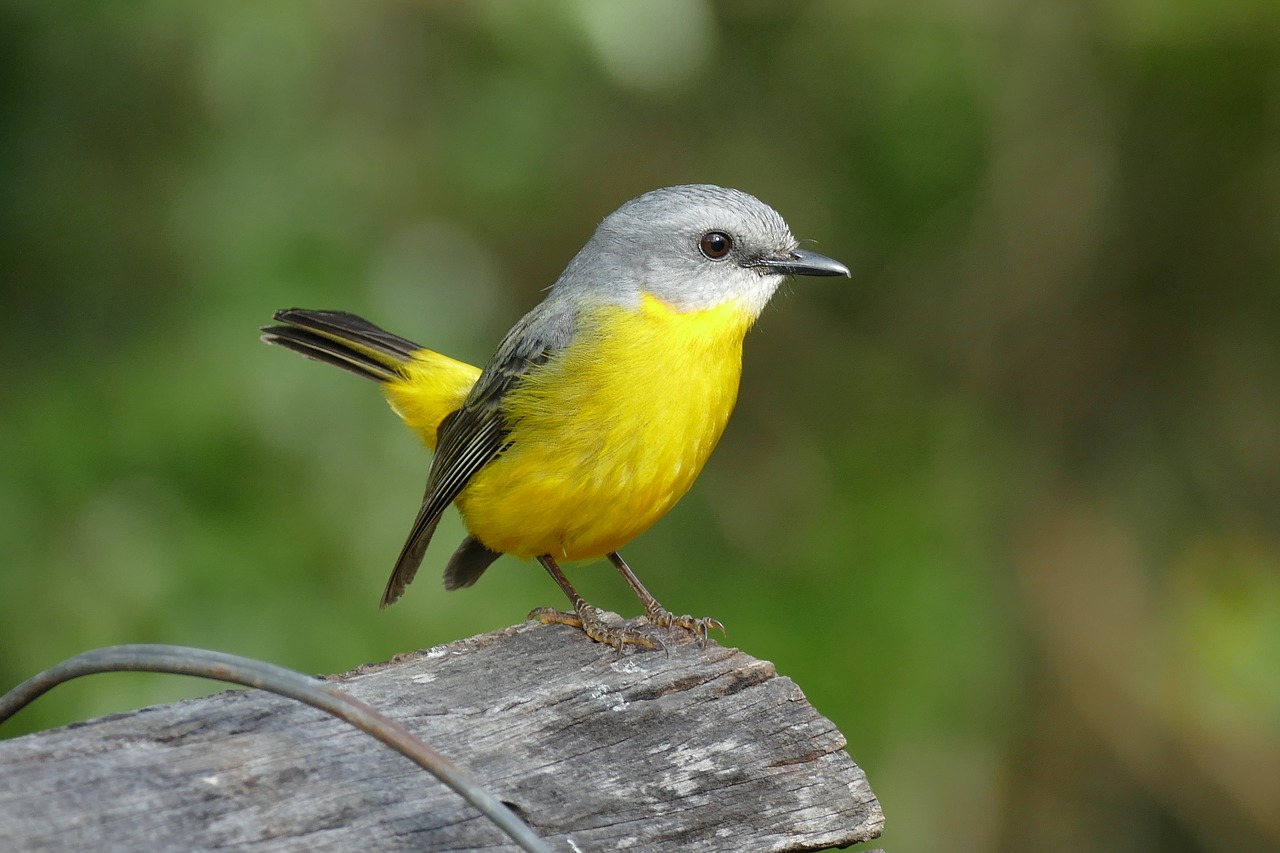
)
(1007, 505)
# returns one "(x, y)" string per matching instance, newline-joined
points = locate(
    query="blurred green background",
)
(1006, 506)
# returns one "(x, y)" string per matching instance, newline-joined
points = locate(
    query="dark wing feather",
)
(468, 563)
(477, 433)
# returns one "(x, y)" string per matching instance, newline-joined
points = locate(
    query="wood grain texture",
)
(699, 749)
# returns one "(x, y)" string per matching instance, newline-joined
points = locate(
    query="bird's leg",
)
(587, 616)
(659, 615)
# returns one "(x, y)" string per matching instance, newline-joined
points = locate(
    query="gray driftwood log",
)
(698, 749)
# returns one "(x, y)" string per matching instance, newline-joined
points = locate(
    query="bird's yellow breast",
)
(611, 432)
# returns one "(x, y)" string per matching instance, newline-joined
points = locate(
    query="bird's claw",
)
(698, 626)
(590, 619)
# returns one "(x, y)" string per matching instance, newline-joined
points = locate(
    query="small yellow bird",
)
(600, 406)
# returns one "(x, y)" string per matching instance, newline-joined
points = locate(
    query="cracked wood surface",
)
(702, 749)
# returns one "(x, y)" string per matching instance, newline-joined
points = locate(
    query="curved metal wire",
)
(219, 666)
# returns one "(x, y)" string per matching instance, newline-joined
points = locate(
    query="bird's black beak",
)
(804, 262)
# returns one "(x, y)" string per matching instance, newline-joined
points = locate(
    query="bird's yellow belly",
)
(609, 434)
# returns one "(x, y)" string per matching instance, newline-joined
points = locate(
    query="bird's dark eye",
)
(715, 244)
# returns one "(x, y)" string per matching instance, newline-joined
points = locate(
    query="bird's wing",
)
(477, 432)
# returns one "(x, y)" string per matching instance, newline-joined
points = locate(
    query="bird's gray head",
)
(692, 247)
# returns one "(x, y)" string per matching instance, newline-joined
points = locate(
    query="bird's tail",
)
(422, 386)
(343, 340)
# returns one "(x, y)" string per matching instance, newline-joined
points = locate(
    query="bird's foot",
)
(590, 619)
(664, 618)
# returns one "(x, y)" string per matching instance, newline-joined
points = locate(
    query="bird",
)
(598, 409)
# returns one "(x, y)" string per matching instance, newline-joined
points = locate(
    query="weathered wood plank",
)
(702, 749)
